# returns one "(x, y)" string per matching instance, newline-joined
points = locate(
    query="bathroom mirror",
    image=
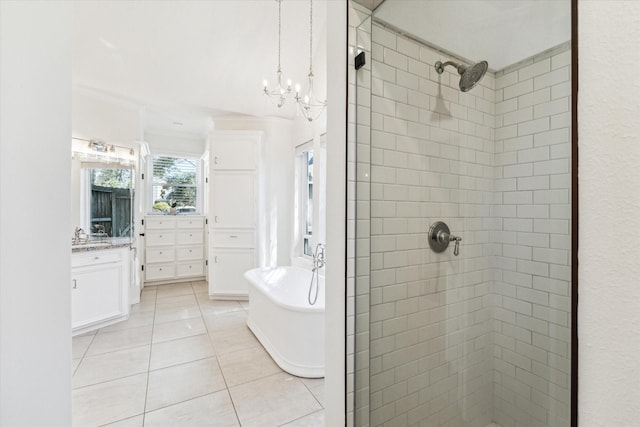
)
(103, 193)
(464, 115)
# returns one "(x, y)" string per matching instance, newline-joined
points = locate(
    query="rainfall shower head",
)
(470, 75)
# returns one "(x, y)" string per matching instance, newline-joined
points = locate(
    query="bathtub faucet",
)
(318, 257)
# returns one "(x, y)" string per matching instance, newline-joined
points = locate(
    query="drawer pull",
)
(160, 253)
(75, 284)
(233, 237)
(96, 258)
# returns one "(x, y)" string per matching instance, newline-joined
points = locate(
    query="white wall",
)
(278, 172)
(609, 159)
(166, 142)
(98, 116)
(35, 254)
(336, 210)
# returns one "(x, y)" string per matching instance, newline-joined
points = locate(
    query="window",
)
(307, 201)
(109, 194)
(175, 184)
(310, 197)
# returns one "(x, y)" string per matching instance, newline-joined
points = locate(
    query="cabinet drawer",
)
(95, 258)
(159, 271)
(160, 254)
(185, 269)
(197, 222)
(190, 253)
(194, 237)
(160, 223)
(159, 238)
(236, 239)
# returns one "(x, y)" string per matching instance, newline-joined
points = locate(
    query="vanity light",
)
(96, 150)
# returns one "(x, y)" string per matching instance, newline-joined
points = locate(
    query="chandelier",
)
(279, 94)
(309, 105)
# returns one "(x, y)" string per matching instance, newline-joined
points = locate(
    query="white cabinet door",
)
(234, 153)
(233, 200)
(96, 294)
(226, 272)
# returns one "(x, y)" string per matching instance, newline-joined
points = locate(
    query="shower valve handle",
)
(456, 247)
(439, 237)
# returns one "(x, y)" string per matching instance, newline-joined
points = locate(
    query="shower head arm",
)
(440, 66)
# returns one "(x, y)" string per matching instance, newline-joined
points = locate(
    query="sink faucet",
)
(76, 235)
(318, 257)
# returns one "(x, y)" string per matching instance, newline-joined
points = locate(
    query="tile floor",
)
(184, 360)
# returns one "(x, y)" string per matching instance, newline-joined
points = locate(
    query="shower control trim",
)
(440, 236)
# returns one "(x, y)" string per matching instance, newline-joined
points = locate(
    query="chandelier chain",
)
(279, 31)
(310, 36)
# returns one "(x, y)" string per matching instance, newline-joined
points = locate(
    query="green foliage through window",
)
(175, 183)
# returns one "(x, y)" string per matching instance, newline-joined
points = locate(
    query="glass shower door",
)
(481, 334)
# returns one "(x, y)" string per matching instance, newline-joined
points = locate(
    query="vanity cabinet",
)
(234, 200)
(99, 288)
(174, 248)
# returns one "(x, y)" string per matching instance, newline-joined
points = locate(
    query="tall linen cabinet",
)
(234, 201)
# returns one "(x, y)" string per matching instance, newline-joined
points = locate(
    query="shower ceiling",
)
(482, 29)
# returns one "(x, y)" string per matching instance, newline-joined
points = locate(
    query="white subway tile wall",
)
(532, 360)
(432, 154)
(441, 340)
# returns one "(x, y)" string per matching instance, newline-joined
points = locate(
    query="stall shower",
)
(460, 182)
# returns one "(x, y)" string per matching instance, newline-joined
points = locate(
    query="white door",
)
(234, 154)
(227, 269)
(232, 200)
(96, 294)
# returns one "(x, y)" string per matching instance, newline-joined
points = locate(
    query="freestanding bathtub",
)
(290, 329)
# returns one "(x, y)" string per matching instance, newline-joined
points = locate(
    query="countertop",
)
(109, 243)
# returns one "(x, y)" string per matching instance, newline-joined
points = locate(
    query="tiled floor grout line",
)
(301, 417)
(312, 393)
(226, 385)
(146, 392)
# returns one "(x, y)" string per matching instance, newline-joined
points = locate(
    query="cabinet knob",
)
(190, 250)
(215, 259)
(96, 258)
(160, 269)
(160, 253)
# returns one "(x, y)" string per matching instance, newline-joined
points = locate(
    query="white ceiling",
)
(185, 61)
(501, 32)
(188, 61)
